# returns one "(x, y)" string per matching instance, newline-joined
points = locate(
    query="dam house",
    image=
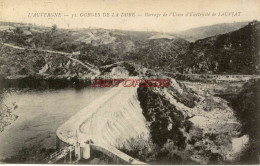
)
(86, 153)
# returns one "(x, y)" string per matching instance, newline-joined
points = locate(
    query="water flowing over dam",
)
(109, 122)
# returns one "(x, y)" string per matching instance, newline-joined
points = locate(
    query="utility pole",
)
(70, 154)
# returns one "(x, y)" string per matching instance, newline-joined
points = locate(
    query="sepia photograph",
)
(133, 82)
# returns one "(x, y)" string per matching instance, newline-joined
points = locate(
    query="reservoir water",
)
(40, 113)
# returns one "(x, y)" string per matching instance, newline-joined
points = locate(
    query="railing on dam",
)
(116, 155)
(58, 155)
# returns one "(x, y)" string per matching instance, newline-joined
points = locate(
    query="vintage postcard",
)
(130, 82)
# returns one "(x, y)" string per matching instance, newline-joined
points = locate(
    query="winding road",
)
(89, 66)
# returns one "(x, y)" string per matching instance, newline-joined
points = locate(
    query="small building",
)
(76, 53)
(119, 72)
(107, 75)
(27, 33)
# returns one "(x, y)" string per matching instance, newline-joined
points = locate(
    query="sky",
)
(19, 11)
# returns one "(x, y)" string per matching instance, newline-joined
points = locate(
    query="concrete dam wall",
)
(108, 122)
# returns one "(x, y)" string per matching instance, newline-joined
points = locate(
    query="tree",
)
(18, 30)
(54, 28)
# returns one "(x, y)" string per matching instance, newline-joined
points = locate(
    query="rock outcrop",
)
(7, 117)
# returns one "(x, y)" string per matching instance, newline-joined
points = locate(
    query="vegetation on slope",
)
(159, 53)
(186, 127)
(31, 63)
(237, 52)
(247, 108)
(99, 46)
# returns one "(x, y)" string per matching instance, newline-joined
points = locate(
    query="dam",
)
(105, 124)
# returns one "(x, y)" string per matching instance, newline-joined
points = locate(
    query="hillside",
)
(15, 63)
(158, 53)
(236, 52)
(208, 31)
(187, 127)
(158, 125)
(97, 46)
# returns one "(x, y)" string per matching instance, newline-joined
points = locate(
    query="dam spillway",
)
(109, 121)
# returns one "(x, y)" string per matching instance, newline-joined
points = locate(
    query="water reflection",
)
(41, 112)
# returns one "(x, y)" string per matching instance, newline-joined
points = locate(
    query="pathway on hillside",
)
(89, 66)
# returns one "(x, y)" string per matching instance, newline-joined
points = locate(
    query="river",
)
(40, 113)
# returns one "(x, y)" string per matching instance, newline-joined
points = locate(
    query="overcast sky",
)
(17, 11)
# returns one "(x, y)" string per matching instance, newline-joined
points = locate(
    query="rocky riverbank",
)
(189, 128)
(247, 108)
(7, 116)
